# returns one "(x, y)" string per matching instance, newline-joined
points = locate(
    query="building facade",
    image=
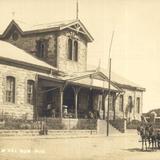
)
(44, 74)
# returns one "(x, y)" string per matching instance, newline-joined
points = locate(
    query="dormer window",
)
(72, 49)
(42, 48)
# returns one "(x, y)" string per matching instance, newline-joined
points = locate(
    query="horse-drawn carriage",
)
(150, 134)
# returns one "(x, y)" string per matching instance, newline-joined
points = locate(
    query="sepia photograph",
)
(79, 80)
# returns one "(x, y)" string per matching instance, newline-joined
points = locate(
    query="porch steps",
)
(102, 128)
(113, 130)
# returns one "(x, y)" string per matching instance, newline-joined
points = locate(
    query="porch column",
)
(76, 91)
(61, 102)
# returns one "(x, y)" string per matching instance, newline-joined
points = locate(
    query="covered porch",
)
(78, 97)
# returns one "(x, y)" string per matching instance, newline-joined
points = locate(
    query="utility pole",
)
(109, 83)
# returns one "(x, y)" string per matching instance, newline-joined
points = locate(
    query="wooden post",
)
(104, 104)
(61, 102)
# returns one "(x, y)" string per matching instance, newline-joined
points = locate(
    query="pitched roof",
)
(11, 52)
(125, 83)
(119, 80)
(41, 28)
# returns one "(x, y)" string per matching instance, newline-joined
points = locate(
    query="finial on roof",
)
(13, 15)
(77, 10)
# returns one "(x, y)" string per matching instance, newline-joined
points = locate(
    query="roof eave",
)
(32, 66)
(41, 30)
(130, 87)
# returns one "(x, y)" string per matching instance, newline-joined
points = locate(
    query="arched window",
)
(121, 103)
(42, 50)
(75, 57)
(130, 105)
(70, 49)
(10, 89)
(138, 104)
(111, 102)
(30, 91)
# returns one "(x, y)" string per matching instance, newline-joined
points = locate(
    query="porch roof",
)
(84, 79)
(91, 79)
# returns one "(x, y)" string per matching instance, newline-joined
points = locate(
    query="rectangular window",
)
(121, 103)
(10, 89)
(30, 91)
(42, 48)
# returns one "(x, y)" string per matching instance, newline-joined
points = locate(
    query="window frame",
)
(73, 49)
(111, 102)
(121, 103)
(138, 104)
(10, 89)
(42, 52)
(70, 48)
(130, 103)
(30, 94)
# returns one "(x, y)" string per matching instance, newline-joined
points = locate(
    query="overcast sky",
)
(136, 45)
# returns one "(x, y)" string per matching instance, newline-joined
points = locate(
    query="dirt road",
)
(122, 147)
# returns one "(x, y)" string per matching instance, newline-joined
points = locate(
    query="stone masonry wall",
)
(28, 43)
(20, 108)
(119, 114)
(134, 114)
(63, 62)
(57, 49)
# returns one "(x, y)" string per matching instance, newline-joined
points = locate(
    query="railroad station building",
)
(44, 74)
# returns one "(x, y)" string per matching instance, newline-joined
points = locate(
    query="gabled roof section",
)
(24, 29)
(78, 26)
(11, 24)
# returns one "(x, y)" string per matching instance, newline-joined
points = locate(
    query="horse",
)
(152, 136)
(144, 133)
(158, 139)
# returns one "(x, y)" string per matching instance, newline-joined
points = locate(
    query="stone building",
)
(44, 74)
